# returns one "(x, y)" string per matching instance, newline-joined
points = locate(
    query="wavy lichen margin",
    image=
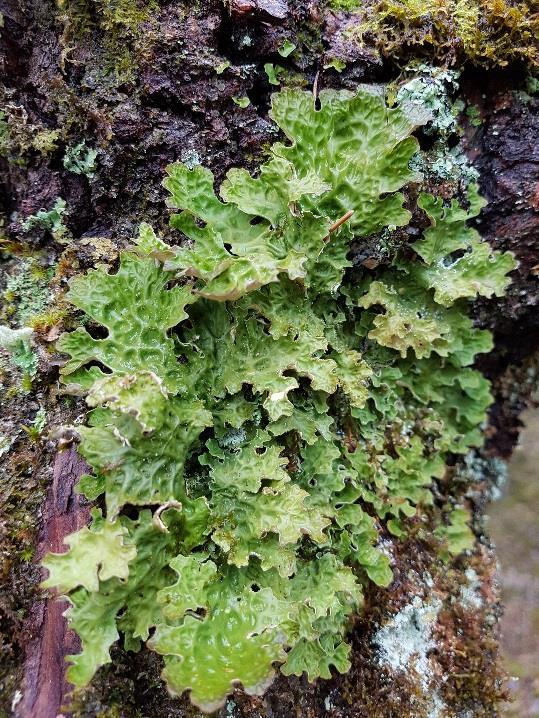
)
(265, 410)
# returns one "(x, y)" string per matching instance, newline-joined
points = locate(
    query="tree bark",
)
(148, 90)
(44, 686)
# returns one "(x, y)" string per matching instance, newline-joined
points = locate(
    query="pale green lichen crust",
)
(265, 410)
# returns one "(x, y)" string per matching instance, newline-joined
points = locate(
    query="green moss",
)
(125, 14)
(485, 32)
(19, 138)
(122, 23)
(45, 141)
(117, 28)
(27, 293)
(76, 17)
(41, 322)
(344, 4)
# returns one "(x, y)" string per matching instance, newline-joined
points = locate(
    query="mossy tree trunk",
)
(146, 84)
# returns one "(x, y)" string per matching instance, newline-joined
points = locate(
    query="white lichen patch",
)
(430, 90)
(190, 157)
(329, 703)
(17, 697)
(476, 469)
(404, 644)
(470, 593)
(437, 708)
(385, 546)
(5, 444)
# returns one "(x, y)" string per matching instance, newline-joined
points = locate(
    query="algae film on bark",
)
(261, 408)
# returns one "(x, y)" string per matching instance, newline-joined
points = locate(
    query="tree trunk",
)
(152, 83)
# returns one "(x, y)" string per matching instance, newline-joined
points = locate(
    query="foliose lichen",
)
(80, 159)
(50, 220)
(263, 411)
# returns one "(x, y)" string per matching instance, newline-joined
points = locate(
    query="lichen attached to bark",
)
(299, 408)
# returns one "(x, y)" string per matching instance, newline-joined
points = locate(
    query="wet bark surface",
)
(145, 93)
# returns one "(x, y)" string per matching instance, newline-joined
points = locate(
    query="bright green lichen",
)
(95, 555)
(265, 408)
(137, 309)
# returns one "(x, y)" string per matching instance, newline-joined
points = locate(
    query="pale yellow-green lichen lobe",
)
(375, 144)
(275, 412)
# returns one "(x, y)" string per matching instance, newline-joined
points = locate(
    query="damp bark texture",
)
(145, 85)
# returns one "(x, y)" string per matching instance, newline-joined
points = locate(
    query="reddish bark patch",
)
(44, 684)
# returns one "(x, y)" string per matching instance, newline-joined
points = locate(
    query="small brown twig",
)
(315, 87)
(335, 226)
